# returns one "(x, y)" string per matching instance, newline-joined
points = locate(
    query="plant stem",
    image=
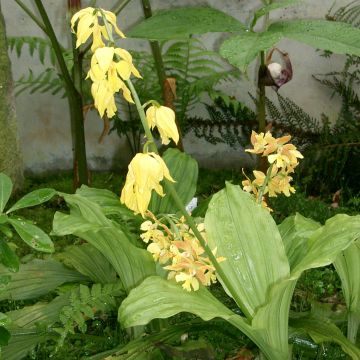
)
(263, 186)
(353, 326)
(32, 16)
(170, 188)
(119, 6)
(262, 93)
(160, 69)
(155, 47)
(75, 104)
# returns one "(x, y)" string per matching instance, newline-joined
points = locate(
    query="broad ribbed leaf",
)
(159, 298)
(271, 320)
(347, 264)
(87, 221)
(32, 235)
(184, 170)
(22, 342)
(108, 201)
(322, 330)
(89, 261)
(242, 49)
(327, 242)
(183, 22)
(337, 37)
(36, 197)
(41, 313)
(295, 232)
(5, 190)
(247, 236)
(37, 278)
(8, 257)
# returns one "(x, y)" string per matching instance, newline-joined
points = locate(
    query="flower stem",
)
(266, 181)
(170, 188)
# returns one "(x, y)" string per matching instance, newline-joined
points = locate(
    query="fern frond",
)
(349, 13)
(195, 69)
(40, 45)
(84, 303)
(229, 121)
(49, 80)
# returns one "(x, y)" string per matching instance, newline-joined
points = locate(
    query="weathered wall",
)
(10, 155)
(44, 121)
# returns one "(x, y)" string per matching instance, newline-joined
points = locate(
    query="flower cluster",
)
(283, 159)
(180, 251)
(110, 66)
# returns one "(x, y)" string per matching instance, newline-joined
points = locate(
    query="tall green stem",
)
(170, 188)
(353, 326)
(75, 104)
(266, 181)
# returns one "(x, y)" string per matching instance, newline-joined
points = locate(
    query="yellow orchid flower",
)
(144, 175)
(88, 24)
(164, 119)
(103, 98)
(189, 281)
(104, 64)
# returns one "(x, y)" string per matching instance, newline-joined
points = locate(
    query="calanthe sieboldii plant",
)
(256, 262)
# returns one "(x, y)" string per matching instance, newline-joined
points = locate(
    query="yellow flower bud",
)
(164, 119)
(144, 175)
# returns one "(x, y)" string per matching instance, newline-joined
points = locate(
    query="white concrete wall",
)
(44, 120)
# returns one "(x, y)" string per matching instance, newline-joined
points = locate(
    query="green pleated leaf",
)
(183, 22)
(325, 244)
(108, 201)
(37, 278)
(184, 170)
(41, 313)
(87, 221)
(36, 197)
(89, 261)
(295, 232)
(247, 236)
(8, 257)
(347, 265)
(5, 190)
(22, 342)
(32, 235)
(337, 37)
(321, 330)
(271, 320)
(158, 298)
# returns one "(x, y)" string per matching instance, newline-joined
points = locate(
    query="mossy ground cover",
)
(318, 286)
